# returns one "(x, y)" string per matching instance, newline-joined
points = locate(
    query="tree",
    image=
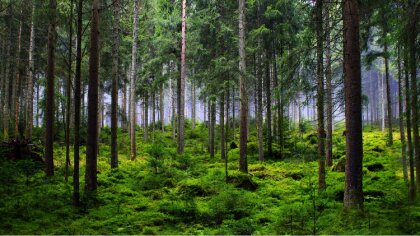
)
(77, 106)
(320, 95)
(243, 164)
(92, 129)
(30, 74)
(49, 103)
(181, 83)
(114, 93)
(133, 80)
(329, 91)
(353, 192)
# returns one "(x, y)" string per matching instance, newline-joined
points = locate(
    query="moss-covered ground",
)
(165, 193)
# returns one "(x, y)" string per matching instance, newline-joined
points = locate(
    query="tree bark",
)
(93, 95)
(6, 107)
(181, 85)
(388, 96)
(320, 96)
(243, 163)
(193, 104)
(259, 110)
(353, 192)
(133, 81)
(267, 84)
(401, 117)
(146, 116)
(161, 107)
(212, 127)
(68, 90)
(30, 74)
(114, 92)
(222, 125)
(17, 84)
(49, 103)
(77, 106)
(328, 76)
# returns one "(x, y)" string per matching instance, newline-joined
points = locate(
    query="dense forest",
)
(209, 117)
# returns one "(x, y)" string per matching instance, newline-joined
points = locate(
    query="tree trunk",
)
(114, 92)
(401, 117)
(328, 76)
(267, 84)
(222, 125)
(212, 126)
(388, 95)
(17, 84)
(30, 100)
(243, 163)
(133, 80)
(193, 104)
(146, 116)
(161, 107)
(124, 121)
(6, 107)
(172, 85)
(353, 192)
(259, 110)
(414, 96)
(77, 105)
(320, 97)
(92, 129)
(49, 101)
(68, 91)
(181, 85)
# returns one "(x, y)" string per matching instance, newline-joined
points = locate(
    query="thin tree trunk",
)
(353, 192)
(161, 107)
(114, 92)
(260, 111)
(68, 91)
(328, 76)
(243, 163)
(77, 106)
(193, 105)
(92, 128)
(49, 105)
(268, 101)
(30, 102)
(212, 127)
(388, 96)
(222, 125)
(6, 107)
(133, 81)
(17, 84)
(181, 85)
(172, 85)
(320, 97)
(146, 116)
(401, 117)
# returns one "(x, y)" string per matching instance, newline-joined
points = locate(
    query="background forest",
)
(209, 117)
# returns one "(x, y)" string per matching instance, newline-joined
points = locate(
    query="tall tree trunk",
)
(6, 107)
(92, 129)
(328, 76)
(181, 85)
(388, 96)
(259, 111)
(173, 118)
(401, 116)
(17, 84)
(146, 116)
(30, 73)
(353, 192)
(153, 115)
(212, 127)
(68, 90)
(124, 104)
(243, 163)
(415, 6)
(49, 103)
(162, 108)
(114, 92)
(222, 124)
(268, 101)
(320, 96)
(77, 105)
(193, 104)
(133, 81)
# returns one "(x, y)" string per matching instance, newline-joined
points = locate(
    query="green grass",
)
(189, 194)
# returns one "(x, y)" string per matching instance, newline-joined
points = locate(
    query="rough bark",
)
(401, 117)
(114, 92)
(259, 111)
(49, 102)
(133, 81)
(181, 85)
(77, 106)
(353, 192)
(93, 95)
(243, 163)
(329, 91)
(267, 84)
(6, 108)
(30, 74)
(68, 91)
(17, 82)
(388, 96)
(320, 96)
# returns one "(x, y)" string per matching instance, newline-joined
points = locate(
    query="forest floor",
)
(189, 194)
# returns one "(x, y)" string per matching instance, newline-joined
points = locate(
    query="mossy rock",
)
(375, 167)
(377, 149)
(295, 175)
(188, 190)
(340, 165)
(243, 181)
